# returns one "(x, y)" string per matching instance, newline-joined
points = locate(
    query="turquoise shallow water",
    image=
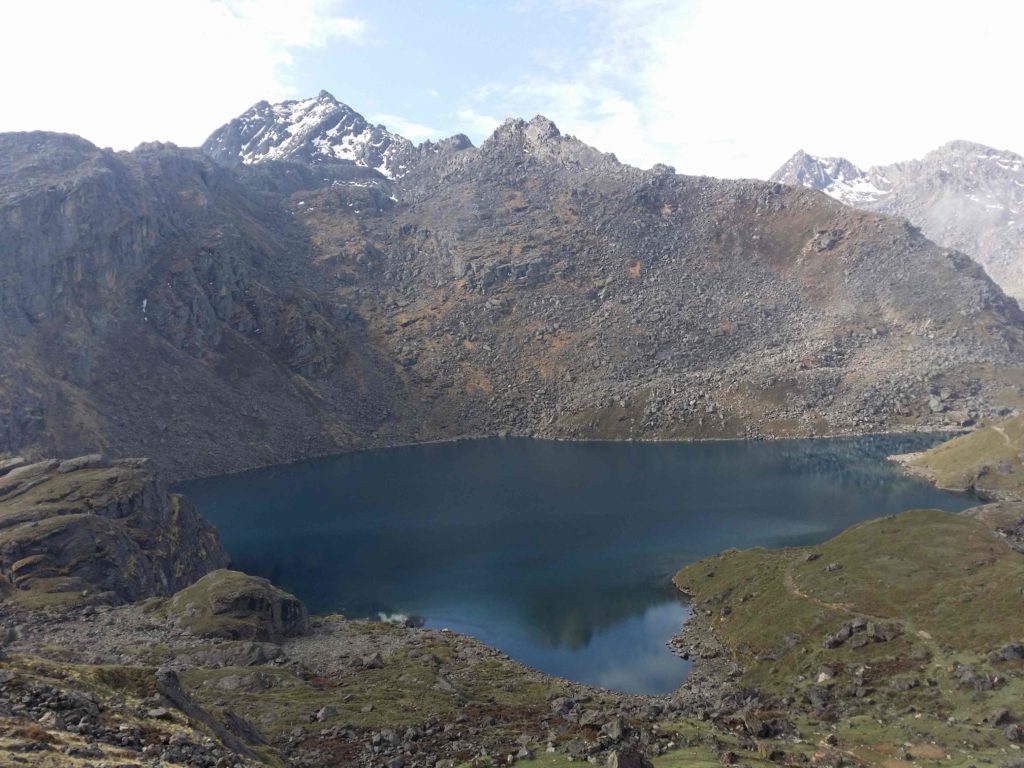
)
(560, 554)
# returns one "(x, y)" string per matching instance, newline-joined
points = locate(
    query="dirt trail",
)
(794, 590)
(1006, 437)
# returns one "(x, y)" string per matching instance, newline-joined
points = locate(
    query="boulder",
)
(1010, 652)
(614, 729)
(325, 713)
(628, 758)
(1000, 718)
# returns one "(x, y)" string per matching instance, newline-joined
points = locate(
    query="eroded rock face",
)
(93, 530)
(235, 605)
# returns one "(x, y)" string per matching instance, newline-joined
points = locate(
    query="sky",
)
(727, 88)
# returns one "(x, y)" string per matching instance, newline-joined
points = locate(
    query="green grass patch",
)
(987, 460)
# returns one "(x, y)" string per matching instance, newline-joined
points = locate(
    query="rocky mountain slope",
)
(151, 298)
(222, 315)
(963, 195)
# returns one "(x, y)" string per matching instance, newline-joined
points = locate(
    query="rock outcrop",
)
(1006, 518)
(237, 606)
(92, 530)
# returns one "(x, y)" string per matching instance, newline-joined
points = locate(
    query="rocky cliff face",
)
(216, 318)
(146, 295)
(963, 195)
(91, 530)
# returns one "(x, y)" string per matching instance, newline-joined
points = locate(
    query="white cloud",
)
(477, 123)
(724, 87)
(733, 87)
(413, 131)
(122, 71)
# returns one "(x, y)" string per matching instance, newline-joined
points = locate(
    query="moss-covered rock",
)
(234, 605)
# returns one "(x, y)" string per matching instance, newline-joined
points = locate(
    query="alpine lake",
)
(560, 554)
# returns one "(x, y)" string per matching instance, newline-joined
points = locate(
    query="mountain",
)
(963, 195)
(155, 298)
(316, 130)
(224, 315)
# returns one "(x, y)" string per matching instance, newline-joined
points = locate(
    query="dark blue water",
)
(560, 554)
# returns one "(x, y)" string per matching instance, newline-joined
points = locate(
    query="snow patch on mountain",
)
(962, 195)
(316, 130)
(835, 176)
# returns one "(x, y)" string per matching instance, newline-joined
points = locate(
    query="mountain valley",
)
(308, 283)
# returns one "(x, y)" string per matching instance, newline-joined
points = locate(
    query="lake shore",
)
(558, 506)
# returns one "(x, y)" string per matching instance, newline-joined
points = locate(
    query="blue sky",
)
(720, 87)
(431, 66)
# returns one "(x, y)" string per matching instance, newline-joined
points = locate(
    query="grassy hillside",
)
(903, 630)
(987, 461)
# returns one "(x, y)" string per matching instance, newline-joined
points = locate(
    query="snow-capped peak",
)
(963, 195)
(315, 130)
(835, 176)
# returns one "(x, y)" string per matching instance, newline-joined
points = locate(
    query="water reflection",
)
(557, 553)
